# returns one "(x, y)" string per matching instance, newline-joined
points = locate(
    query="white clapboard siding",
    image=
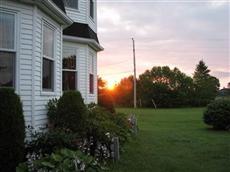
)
(41, 98)
(82, 14)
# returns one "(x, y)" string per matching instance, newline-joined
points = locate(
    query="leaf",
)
(22, 168)
(48, 164)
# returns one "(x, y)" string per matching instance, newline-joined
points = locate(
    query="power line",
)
(117, 73)
(113, 64)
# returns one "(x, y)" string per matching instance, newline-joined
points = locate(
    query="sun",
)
(110, 85)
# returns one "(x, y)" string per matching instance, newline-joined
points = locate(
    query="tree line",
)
(162, 87)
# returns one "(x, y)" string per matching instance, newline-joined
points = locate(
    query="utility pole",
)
(134, 77)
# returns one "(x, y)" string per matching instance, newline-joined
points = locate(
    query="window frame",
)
(15, 50)
(72, 8)
(75, 50)
(91, 73)
(93, 9)
(46, 23)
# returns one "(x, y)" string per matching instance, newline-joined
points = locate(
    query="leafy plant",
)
(12, 130)
(217, 114)
(64, 160)
(46, 142)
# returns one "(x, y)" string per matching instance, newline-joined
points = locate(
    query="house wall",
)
(83, 54)
(29, 60)
(40, 97)
(82, 15)
(24, 47)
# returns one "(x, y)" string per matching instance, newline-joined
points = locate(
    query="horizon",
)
(173, 33)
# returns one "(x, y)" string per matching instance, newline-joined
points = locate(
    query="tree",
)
(206, 86)
(105, 98)
(123, 92)
(164, 87)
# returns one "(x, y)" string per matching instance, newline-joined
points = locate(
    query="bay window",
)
(7, 49)
(48, 58)
(69, 69)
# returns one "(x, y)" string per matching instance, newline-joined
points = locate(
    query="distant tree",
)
(206, 86)
(228, 85)
(164, 87)
(105, 98)
(123, 92)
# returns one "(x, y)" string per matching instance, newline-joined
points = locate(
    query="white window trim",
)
(48, 24)
(16, 48)
(72, 70)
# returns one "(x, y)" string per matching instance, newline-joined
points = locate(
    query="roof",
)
(60, 4)
(81, 30)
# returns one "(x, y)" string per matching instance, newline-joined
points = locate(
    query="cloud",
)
(166, 33)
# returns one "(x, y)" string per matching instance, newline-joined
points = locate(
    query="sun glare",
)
(110, 85)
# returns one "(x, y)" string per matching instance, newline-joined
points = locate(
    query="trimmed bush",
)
(71, 112)
(217, 114)
(12, 130)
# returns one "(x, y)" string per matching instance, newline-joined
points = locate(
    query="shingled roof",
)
(60, 4)
(81, 30)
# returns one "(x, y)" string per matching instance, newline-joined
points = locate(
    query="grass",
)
(174, 140)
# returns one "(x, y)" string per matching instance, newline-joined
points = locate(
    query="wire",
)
(113, 64)
(116, 73)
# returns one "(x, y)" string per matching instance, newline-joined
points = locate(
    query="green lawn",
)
(174, 140)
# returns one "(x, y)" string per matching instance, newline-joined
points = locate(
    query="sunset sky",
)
(173, 33)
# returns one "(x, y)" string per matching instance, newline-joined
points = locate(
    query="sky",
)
(176, 33)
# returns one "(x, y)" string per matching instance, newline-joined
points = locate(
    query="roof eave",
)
(50, 8)
(91, 42)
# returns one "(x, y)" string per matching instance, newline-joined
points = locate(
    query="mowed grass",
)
(174, 140)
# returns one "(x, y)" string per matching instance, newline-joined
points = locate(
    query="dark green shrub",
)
(217, 114)
(12, 130)
(105, 100)
(52, 111)
(71, 112)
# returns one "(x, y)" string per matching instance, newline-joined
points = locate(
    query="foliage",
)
(102, 126)
(206, 86)
(71, 112)
(52, 111)
(45, 142)
(63, 160)
(105, 100)
(123, 92)
(12, 130)
(104, 96)
(164, 87)
(217, 114)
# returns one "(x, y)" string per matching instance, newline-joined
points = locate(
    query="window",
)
(91, 74)
(69, 74)
(91, 8)
(71, 3)
(91, 83)
(48, 58)
(7, 50)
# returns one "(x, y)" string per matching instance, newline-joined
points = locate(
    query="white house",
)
(46, 47)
